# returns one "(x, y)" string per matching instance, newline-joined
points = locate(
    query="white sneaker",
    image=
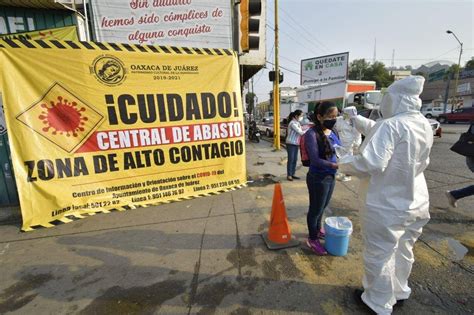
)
(346, 178)
(343, 177)
(451, 200)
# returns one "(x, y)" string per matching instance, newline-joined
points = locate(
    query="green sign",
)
(437, 75)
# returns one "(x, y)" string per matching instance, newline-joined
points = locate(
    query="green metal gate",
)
(16, 20)
(8, 191)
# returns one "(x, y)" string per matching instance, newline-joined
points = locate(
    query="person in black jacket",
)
(455, 195)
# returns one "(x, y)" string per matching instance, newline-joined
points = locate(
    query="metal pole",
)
(457, 77)
(276, 88)
(86, 21)
(255, 107)
(457, 72)
(446, 95)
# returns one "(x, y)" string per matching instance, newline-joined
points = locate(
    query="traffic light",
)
(271, 76)
(250, 11)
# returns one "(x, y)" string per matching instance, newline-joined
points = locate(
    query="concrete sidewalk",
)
(206, 256)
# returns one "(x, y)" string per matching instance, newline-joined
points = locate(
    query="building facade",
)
(438, 91)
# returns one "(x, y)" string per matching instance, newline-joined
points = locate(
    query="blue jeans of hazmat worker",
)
(392, 159)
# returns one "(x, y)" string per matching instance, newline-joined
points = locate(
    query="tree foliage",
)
(469, 65)
(360, 69)
(451, 72)
(250, 101)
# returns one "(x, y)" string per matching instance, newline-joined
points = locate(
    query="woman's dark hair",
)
(294, 114)
(322, 109)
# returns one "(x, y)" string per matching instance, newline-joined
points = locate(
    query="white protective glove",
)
(346, 166)
(350, 111)
(345, 159)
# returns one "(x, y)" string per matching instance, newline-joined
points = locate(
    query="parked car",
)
(266, 126)
(431, 112)
(305, 124)
(374, 114)
(461, 114)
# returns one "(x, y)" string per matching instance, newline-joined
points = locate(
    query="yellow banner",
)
(60, 33)
(100, 127)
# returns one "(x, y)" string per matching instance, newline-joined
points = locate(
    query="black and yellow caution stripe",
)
(120, 47)
(68, 44)
(74, 217)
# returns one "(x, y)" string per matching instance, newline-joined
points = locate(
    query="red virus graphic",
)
(63, 117)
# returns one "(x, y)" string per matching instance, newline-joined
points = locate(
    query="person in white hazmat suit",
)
(393, 156)
(349, 135)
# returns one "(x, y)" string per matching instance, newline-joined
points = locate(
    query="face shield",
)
(386, 105)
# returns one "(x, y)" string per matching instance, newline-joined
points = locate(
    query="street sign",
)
(324, 69)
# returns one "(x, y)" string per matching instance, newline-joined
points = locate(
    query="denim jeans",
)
(320, 189)
(469, 190)
(292, 158)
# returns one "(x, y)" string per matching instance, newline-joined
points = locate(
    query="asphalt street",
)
(206, 255)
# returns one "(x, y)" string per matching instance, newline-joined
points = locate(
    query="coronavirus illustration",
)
(63, 117)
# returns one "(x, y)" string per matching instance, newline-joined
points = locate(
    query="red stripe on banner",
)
(157, 136)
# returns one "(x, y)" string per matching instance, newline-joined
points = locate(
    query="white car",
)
(266, 126)
(431, 112)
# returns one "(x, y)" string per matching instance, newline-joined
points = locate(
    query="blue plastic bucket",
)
(338, 233)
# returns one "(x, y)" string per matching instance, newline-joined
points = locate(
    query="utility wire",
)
(262, 71)
(305, 30)
(280, 66)
(290, 70)
(319, 47)
(423, 59)
(292, 61)
(264, 68)
(272, 51)
(446, 52)
(293, 38)
(323, 47)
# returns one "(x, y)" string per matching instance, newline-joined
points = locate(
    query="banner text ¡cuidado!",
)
(151, 108)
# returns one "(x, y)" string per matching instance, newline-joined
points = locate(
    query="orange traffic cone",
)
(279, 233)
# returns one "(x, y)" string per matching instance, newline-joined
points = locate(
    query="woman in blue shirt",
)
(319, 142)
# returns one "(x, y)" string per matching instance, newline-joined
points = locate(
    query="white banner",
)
(325, 69)
(185, 23)
(464, 88)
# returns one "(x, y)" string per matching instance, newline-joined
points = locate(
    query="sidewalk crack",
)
(349, 188)
(197, 266)
(459, 264)
(237, 239)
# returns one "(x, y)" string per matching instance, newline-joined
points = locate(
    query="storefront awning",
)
(43, 4)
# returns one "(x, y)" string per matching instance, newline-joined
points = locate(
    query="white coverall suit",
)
(394, 155)
(348, 134)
